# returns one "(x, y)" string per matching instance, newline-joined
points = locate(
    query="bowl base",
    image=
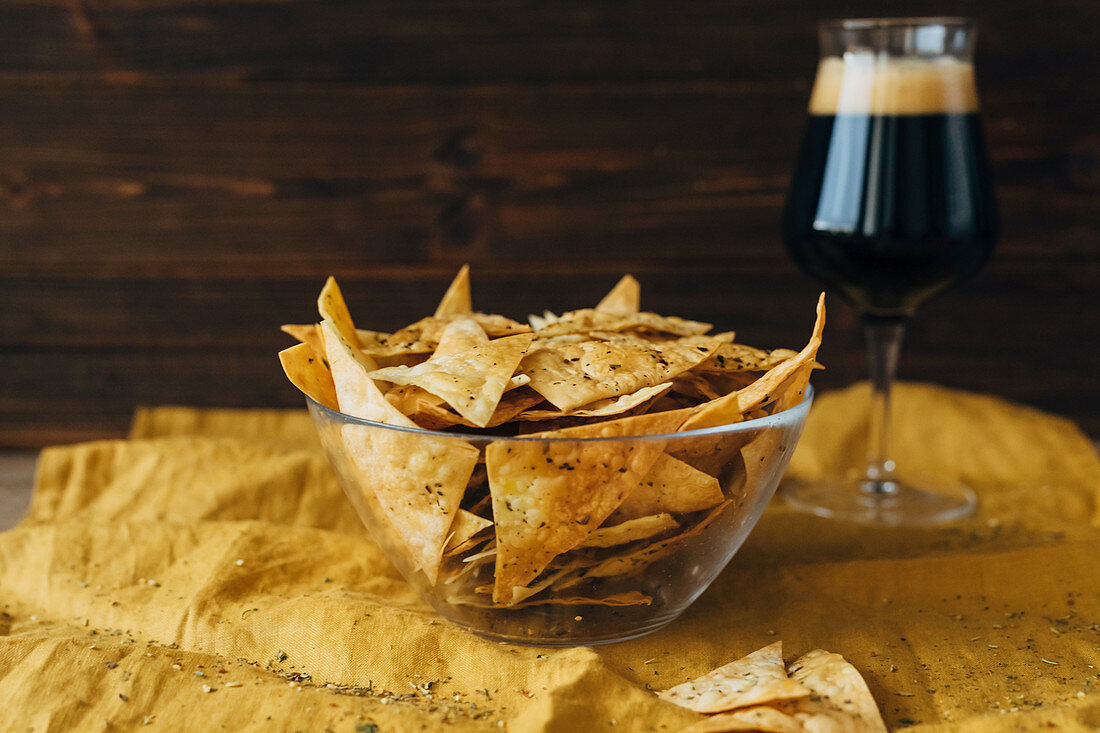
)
(593, 638)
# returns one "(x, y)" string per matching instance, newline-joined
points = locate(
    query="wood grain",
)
(177, 177)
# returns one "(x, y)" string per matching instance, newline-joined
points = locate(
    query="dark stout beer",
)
(891, 199)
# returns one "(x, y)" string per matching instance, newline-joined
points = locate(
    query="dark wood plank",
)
(110, 180)
(491, 40)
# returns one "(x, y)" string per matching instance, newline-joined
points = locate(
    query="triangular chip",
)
(762, 719)
(573, 374)
(418, 480)
(549, 495)
(671, 486)
(631, 530)
(602, 408)
(331, 305)
(456, 301)
(356, 392)
(465, 528)
(467, 370)
(741, 358)
(307, 333)
(307, 371)
(634, 561)
(540, 322)
(841, 700)
(758, 678)
(732, 407)
(588, 320)
(625, 298)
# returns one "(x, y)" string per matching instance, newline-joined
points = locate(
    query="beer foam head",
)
(868, 83)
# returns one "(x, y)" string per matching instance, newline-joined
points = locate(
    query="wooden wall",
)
(177, 178)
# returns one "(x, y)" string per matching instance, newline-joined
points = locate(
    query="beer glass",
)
(890, 203)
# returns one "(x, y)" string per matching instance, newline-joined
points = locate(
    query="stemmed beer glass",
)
(890, 203)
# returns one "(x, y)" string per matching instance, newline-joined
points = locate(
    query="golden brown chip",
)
(757, 678)
(468, 370)
(356, 392)
(570, 375)
(625, 298)
(732, 407)
(635, 560)
(465, 528)
(307, 371)
(306, 333)
(549, 496)
(563, 490)
(672, 486)
(424, 335)
(732, 357)
(589, 320)
(540, 322)
(601, 408)
(456, 301)
(763, 719)
(841, 700)
(630, 530)
(417, 479)
(331, 306)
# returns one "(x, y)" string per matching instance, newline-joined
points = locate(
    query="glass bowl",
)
(700, 494)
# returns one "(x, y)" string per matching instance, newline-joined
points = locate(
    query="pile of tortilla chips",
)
(506, 522)
(820, 692)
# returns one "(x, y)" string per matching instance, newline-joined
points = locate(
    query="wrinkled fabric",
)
(208, 574)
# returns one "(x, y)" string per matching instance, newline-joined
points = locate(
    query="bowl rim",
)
(790, 415)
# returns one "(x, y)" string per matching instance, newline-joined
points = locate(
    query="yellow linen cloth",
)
(208, 574)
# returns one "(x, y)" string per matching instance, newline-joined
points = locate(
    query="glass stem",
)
(884, 337)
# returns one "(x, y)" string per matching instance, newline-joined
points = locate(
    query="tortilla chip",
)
(695, 386)
(758, 678)
(418, 480)
(307, 371)
(540, 322)
(732, 357)
(456, 301)
(356, 392)
(602, 408)
(671, 486)
(588, 320)
(630, 531)
(523, 592)
(467, 370)
(625, 298)
(548, 496)
(763, 719)
(732, 407)
(634, 561)
(466, 527)
(306, 333)
(331, 306)
(570, 375)
(841, 700)
(423, 335)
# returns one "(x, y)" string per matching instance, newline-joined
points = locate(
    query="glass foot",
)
(892, 503)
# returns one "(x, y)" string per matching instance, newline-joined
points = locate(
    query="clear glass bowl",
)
(664, 573)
